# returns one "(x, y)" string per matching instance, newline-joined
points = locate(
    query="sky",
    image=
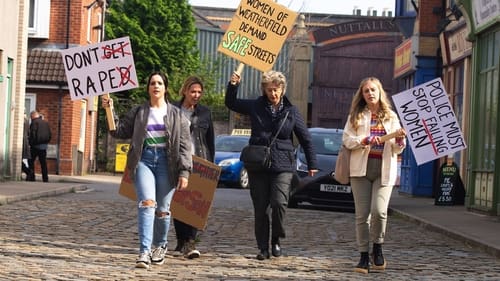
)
(340, 7)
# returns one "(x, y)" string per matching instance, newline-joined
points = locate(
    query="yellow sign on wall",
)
(121, 156)
(402, 58)
(257, 33)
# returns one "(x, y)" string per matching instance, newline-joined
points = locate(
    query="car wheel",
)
(293, 204)
(243, 178)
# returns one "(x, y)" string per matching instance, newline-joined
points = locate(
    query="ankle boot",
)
(378, 258)
(364, 263)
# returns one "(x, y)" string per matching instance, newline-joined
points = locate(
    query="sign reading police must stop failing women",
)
(257, 32)
(106, 67)
(430, 123)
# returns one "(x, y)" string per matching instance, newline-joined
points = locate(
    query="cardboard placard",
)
(95, 69)
(257, 33)
(192, 205)
(430, 123)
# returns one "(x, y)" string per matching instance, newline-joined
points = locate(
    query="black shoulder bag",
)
(257, 158)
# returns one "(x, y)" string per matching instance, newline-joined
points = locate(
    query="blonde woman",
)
(373, 167)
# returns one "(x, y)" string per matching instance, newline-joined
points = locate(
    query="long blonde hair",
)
(358, 104)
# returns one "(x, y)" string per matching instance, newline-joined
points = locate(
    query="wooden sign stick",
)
(239, 70)
(109, 115)
(388, 136)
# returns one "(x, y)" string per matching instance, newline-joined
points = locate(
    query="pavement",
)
(477, 230)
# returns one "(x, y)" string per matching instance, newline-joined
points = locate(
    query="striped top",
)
(376, 129)
(155, 130)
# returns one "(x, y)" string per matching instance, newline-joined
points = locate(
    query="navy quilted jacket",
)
(264, 128)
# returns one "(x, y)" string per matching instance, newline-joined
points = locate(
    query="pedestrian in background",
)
(373, 166)
(39, 137)
(202, 145)
(269, 189)
(159, 161)
(26, 151)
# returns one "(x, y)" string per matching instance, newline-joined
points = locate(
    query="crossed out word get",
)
(111, 52)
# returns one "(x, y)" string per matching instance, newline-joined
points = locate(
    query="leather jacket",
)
(202, 132)
(133, 126)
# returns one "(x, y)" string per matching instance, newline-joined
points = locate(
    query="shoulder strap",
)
(281, 126)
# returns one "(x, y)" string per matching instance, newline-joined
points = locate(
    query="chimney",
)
(374, 13)
(354, 10)
(369, 12)
(358, 12)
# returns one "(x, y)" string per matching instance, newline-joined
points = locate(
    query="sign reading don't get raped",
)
(96, 69)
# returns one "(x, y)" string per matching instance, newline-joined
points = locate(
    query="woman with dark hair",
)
(159, 161)
(202, 145)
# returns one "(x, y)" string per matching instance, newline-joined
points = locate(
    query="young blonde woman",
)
(373, 167)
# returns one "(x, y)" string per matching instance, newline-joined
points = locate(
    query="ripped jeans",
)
(154, 195)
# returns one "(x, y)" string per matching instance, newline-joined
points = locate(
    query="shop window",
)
(488, 100)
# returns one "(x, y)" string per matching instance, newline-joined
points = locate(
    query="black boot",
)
(378, 258)
(180, 245)
(263, 254)
(364, 263)
(275, 247)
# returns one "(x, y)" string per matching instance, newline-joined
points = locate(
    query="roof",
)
(223, 16)
(45, 66)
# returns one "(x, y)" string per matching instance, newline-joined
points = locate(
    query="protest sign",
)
(257, 32)
(105, 67)
(193, 204)
(431, 126)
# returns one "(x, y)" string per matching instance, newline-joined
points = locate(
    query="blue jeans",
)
(152, 183)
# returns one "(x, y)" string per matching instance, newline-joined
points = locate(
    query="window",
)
(39, 19)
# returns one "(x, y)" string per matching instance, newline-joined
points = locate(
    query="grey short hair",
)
(273, 76)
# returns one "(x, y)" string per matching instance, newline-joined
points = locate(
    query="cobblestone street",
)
(65, 238)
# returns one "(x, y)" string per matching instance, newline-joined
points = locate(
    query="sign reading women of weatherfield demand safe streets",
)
(96, 69)
(430, 123)
(257, 32)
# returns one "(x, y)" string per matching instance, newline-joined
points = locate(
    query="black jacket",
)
(264, 128)
(202, 132)
(39, 132)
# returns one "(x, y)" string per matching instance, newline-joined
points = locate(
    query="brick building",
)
(57, 25)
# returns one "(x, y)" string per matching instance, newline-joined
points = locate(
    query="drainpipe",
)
(60, 94)
(59, 125)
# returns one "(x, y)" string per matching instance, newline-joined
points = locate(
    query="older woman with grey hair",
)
(269, 188)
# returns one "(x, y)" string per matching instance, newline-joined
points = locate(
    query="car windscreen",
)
(230, 144)
(326, 143)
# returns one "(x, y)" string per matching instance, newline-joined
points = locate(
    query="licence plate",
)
(335, 188)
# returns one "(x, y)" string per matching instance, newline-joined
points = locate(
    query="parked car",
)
(227, 156)
(322, 190)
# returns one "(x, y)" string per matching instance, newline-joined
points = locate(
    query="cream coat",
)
(359, 152)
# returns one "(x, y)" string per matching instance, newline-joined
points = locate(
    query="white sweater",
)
(352, 139)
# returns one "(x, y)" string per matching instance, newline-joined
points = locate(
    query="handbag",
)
(341, 173)
(257, 158)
